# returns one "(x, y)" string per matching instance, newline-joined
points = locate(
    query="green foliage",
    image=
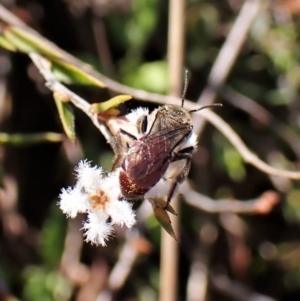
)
(154, 229)
(52, 237)
(279, 42)
(111, 103)
(70, 74)
(202, 20)
(66, 115)
(28, 139)
(45, 282)
(147, 294)
(228, 159)
(141, 24)
(45, 285)
(25, 40)
(152, 77)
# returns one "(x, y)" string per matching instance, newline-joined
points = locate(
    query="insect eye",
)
(142, 124)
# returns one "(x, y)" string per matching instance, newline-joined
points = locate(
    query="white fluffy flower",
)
(73, 201)
(98, 229)
(116, 210)
(88, 177)
(97, 195)
(133, 116)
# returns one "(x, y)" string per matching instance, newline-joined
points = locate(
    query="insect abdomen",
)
(129, 188)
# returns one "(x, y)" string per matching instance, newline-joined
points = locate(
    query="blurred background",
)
(230, 256)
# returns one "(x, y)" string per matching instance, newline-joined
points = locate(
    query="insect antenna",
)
(208, 106)
(186, 82)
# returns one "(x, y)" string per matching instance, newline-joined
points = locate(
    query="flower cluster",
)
(98, 195)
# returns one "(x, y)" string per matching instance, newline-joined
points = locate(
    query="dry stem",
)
(169, 247)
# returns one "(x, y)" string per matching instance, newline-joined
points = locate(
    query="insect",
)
(160, 149)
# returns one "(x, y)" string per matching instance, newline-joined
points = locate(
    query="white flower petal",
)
(98, 230)
(121, 213)
(73, 201)
(111, 185)
(135, 114)
(89, 178)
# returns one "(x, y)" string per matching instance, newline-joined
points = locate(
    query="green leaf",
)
(27, 41)
(66, 116)
(111, 103)
(64, 65)
(151, 76)
(28, 139)
(6, 44)
(68, 73)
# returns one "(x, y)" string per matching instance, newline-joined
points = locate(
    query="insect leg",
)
(184, 154)
(123, 140)
(128, 135)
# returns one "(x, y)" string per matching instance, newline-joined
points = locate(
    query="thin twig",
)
(258, 112)
(44, 66)
(102, 46)
(70, 264)
(227, 55)
(98, 277)
(236, 290)
(239, 254)
(247, 155)
(169, 247)
(197, 285)
(134, 246)
(261, 205)
(127, 258)
(119, 274)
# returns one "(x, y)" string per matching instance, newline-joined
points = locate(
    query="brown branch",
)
(169, 247)
(236, 290)
(197, 286)
(70, 264)
(261, 205)
(44, 66)
(262, 115)
(102, 46)
(246, 154)
(98, 277)
(228, 55)
(134, 246)
(124, 265)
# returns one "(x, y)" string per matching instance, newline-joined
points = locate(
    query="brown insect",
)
(163, 138)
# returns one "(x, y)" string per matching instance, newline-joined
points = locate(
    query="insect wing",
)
(142, 157)
(151, 154)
